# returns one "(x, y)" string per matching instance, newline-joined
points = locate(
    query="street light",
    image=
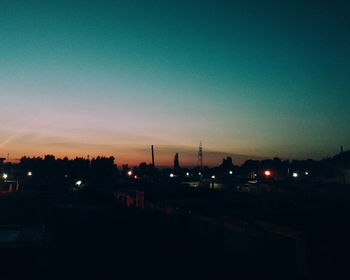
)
(78, 183)
(295, 175)
(4, 176)
(171, 175)
(29, 173)
(129, 172)
(267, 173)
(231, 172)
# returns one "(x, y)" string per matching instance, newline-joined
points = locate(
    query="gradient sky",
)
(247, 78)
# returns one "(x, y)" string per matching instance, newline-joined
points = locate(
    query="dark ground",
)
(103, 240)
(90, 239)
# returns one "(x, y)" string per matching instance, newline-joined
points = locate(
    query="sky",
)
(250, 79)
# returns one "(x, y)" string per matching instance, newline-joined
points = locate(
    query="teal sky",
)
(247, 78)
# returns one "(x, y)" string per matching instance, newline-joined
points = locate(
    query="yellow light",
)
(5, 176)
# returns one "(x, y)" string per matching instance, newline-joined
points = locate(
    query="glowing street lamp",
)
(295, 175)
(187, 173)
(78, 183)
(172, 175)
(4, 176)
(231, 172)
(129, 172)
(213, 176)
(29, 173)
(267, 173)
(306, 173)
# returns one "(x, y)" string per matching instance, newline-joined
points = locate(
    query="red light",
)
(267, 173)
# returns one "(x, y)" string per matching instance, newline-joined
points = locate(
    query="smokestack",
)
(152, 156)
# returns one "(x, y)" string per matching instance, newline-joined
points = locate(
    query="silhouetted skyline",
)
(255, 78)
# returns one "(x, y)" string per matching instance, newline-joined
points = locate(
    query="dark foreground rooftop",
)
(48, 236)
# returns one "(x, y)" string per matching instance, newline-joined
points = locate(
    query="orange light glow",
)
(267, 173)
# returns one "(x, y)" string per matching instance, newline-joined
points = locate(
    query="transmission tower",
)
(200, 155)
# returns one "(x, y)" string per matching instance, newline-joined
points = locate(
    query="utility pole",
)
(152, 156)
(153, 169)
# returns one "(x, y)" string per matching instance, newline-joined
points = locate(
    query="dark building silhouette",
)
(227, 163)
(176, 162)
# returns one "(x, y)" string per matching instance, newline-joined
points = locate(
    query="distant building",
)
(227, 163)
(176, 162)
